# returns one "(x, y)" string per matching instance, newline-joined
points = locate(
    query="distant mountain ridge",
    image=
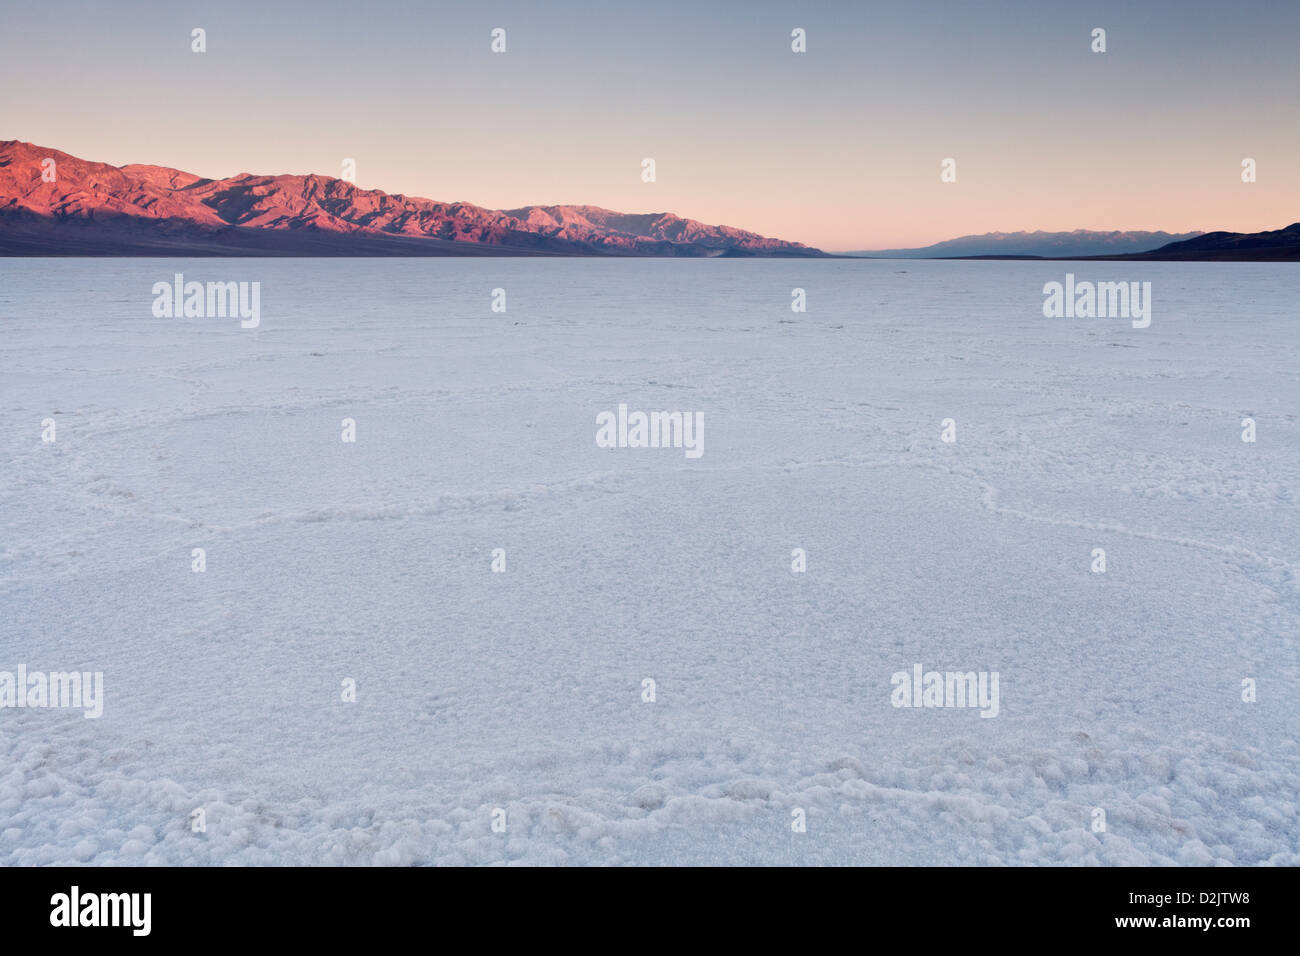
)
(1277, 245)
(96, 209)
(1079, 242)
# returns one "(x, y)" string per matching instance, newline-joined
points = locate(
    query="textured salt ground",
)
(522, 690)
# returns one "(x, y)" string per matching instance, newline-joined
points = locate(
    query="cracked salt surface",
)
(522, 690)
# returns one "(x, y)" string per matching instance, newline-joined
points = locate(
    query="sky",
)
(839, 147)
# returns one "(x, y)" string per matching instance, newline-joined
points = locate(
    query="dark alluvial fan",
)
(1278, 245)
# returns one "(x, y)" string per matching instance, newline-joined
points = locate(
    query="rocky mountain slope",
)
(95, 209)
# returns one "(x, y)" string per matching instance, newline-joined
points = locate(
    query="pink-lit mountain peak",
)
(145, 203)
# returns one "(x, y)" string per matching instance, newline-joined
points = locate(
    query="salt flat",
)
(523, 690)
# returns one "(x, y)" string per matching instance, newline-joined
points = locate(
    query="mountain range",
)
(1277, 245)
(1080, 242)
(52, 203)
(96, 209)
